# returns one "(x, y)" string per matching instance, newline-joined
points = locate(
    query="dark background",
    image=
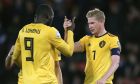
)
(122, 19)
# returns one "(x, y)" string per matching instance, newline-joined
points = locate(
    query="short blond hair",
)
(97, 13)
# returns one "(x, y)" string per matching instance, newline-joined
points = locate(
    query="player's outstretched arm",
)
(68, 23)
(58, 72)
(8, 61)
(65, 47)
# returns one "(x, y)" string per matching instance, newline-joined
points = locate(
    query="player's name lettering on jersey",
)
(32, 31)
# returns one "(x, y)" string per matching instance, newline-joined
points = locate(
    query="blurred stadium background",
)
(122, 19)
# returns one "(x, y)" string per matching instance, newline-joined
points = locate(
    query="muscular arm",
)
(115, 64)
(58, 72)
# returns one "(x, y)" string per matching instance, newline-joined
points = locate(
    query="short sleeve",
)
(115, 43)
(83, 41)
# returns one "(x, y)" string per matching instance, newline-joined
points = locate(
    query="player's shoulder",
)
(27, 26)
(23, 28)
(48, 29)
(86, 37)
(112, 35)
(53, 30)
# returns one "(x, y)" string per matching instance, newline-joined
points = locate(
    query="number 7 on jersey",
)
(94, 55)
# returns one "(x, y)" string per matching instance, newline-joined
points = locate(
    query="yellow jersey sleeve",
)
(17, 50)
(114, 43)
(60, 44)
(83, 41)
(57, 55)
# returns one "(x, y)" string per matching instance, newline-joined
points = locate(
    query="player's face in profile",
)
(94, 25)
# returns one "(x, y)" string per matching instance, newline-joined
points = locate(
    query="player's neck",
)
(102, 32)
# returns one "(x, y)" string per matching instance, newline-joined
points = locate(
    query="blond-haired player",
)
(102, 50)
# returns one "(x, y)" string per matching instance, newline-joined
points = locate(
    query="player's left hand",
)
(101, 81)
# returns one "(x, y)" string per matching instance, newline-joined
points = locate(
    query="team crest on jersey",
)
(102, 44)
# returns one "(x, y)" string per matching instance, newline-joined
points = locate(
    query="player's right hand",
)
(68, 24)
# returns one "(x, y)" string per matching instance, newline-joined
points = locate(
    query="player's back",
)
(37, 61)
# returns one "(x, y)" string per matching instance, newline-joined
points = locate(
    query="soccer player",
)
(35, 44)
(9, 63)
(102, 50)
